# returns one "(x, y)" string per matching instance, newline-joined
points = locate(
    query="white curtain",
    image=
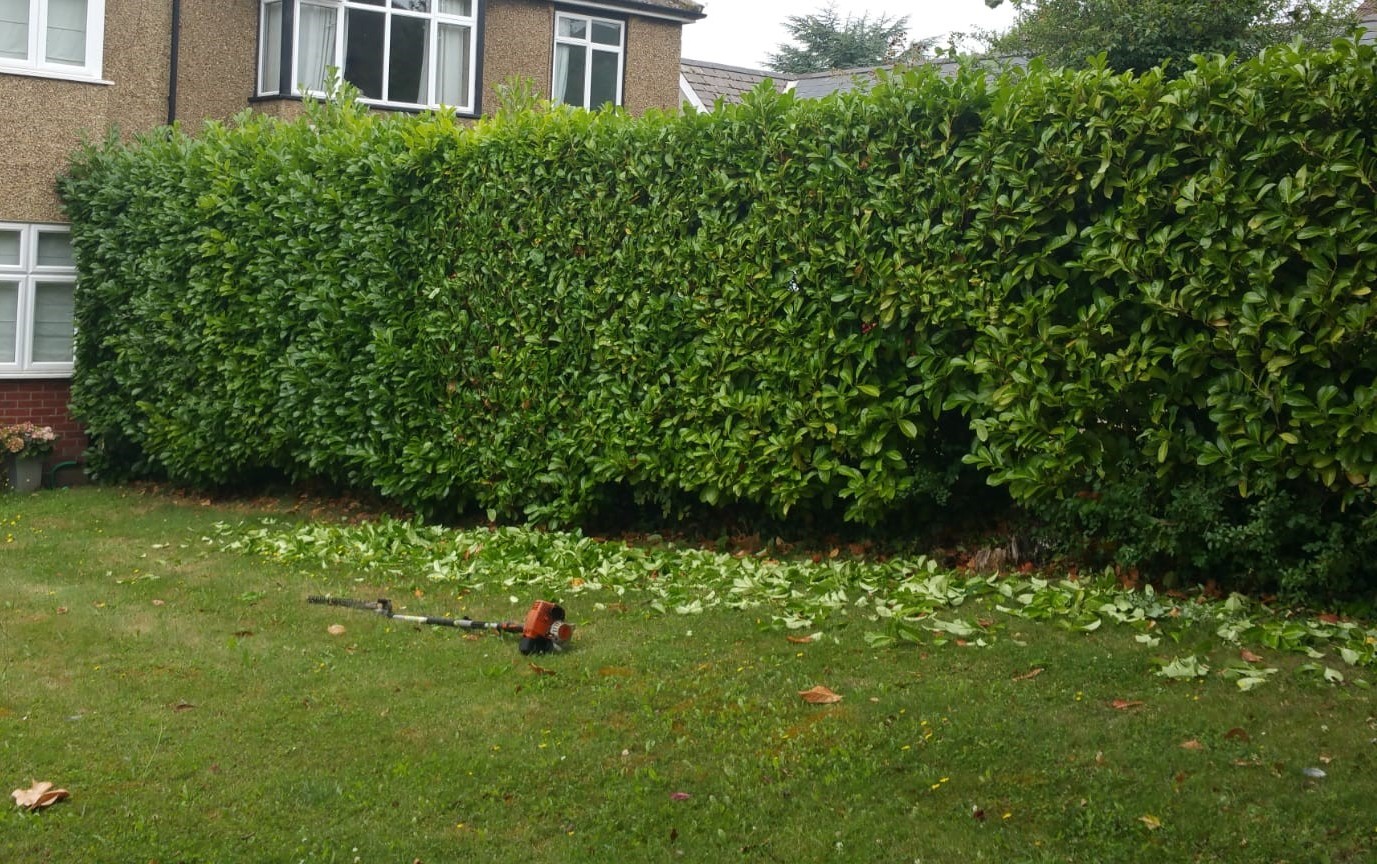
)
(452, 66)
(270, 51)
(456, 7)
(14, 29)
(52, 322)
(9, 248)
(54, 249)
(562, 58)
(9, 321)
(315, 45)
(66, 32)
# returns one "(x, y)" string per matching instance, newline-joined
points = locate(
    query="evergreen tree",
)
(827, 41)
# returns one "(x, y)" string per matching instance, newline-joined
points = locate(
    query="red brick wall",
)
(44, 403)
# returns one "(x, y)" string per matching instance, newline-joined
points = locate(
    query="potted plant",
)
(25, 445)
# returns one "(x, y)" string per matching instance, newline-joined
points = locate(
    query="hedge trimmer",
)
(543, 630)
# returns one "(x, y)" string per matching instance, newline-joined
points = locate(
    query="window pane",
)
(270, 51)
(604, 87)
(607, 33)
(315, 46)
(573, 28)
(14, 29)
(456, 7)
(52, 322)
(66, 32)
(9, 321)
(452, 66)
(55, 249)
(569, 71)
(9, 248)
(409, 62)
(363, 51)
(412, 5)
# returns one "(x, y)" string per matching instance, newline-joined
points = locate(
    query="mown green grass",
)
(198, 710)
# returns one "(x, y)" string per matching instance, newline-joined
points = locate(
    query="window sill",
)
(10, 375)
(370, 103)
(77, 77)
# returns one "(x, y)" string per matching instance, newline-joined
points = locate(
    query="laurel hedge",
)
(1084, 287)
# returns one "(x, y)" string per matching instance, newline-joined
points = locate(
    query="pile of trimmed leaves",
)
(901, 600)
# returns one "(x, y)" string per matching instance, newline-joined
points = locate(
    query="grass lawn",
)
(198, 709)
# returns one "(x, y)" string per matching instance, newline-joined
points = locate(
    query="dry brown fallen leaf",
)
(1249, 657)
(800, 640)
(1192, 745)
(541, 670)
(1126, 704)
(819, 696)
(1029, 675)
(38, 795)
(335, 630)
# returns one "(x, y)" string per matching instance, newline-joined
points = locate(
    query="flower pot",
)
(26, 473)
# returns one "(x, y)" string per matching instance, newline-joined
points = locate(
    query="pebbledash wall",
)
(44, 116)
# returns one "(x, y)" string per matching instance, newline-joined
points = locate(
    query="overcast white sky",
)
(743, 32)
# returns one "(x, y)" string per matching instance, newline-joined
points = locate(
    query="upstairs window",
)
(37, 287)
(589, 56)
(399, 53)
(54, 38)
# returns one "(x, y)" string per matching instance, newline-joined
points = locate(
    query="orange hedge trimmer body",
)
(543, 630)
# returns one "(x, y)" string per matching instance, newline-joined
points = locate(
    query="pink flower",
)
(27, 439)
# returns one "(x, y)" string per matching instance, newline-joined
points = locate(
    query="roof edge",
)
(745, 70)
(685, 13)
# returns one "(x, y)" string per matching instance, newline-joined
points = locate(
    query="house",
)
(1366, 13)
(702, 84)
(74, 69)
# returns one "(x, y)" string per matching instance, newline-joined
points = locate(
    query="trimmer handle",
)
(382, 606)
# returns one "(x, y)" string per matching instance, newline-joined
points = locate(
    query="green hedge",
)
(1063, 280)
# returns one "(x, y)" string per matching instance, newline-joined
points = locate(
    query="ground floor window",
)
(37, 287)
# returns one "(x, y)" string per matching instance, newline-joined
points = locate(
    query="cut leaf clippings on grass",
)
(39, 795)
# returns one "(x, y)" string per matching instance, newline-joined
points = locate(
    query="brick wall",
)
(45, 403)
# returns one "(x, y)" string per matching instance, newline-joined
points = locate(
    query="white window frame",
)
(28, 273)
(434, 18)
(590, 46)
(34, 63)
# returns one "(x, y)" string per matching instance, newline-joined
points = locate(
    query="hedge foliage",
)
(1067, 281)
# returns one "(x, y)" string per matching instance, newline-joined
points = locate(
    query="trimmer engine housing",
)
(545, 629)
